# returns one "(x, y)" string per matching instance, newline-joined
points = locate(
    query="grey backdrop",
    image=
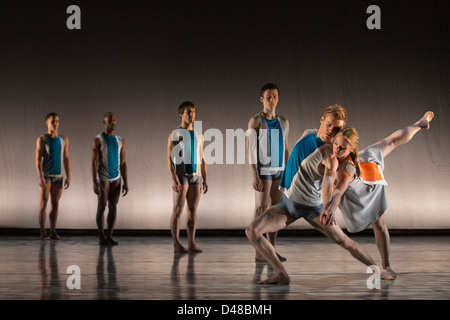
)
(141, 59)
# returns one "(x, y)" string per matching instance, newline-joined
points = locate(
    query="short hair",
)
(269, 86)
(184, 105)
(336, 111)
(108, 114)
(51, 114)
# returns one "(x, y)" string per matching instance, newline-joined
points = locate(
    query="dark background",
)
(141, 59)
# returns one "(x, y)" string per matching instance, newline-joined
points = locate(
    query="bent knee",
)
(251, 233)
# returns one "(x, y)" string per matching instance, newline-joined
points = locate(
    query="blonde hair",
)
(352, 137)
(336, 111)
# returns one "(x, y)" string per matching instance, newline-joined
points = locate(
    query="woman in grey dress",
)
(360, 190)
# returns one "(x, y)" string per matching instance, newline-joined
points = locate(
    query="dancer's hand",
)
(176, 186)
(42, 182)
(67, 183)
(124, 189)
(257, 183)
(327, 217)
(98, 189)
(205, 186)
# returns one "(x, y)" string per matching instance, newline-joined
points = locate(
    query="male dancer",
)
(109, 169)
(187, 168)
(301, 185)
(272, 131)
(52, 153)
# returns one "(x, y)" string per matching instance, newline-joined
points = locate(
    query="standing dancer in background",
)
(271, 131)
(360, 191)
(187, 167)
(109, 170)
(52, 154)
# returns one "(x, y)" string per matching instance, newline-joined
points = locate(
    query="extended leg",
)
(404, 135)
(335, 233)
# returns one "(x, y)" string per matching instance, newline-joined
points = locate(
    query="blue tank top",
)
(52, 155)
(188, 152)
(109, 161)
(276, 155)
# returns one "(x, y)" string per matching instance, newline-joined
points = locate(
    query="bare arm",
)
(123, 169)
(67, 163)
(204, 171)
(331, 197)
(286, 149)
(38, 162)
(176, 186)
(94, 167)
(253, 126)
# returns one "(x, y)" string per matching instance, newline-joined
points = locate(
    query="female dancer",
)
(360, 191)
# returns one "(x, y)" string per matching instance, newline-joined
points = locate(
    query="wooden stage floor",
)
(145, 268)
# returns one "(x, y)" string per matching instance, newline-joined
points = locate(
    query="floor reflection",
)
(107, 287)
(181, 290)
(51, 287)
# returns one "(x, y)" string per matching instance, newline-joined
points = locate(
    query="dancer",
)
(109, 170)
(52, 154)
(187, 167)
(301, 186)
(360, 191)
(271, 130)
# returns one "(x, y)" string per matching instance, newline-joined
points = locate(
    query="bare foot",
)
(103, 241)
(55, 236)
(424, 122)
(178, 248)
(44, 237)
(111, 242)
(278, 278)
(388, 274)
(194, 249)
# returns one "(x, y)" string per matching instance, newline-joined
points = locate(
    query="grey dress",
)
(365, 200)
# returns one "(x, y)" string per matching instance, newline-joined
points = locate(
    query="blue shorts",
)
(190, 179)
(297, 210)
(276, 176)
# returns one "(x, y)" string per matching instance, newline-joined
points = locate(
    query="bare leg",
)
(55, 193)
(335, 233)
(43, 195)
(263, 201)
(404, 135)
(102, 202)
(113, 200)
(178, 206)
(192, 198)
(272, 220)
(382, 240)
